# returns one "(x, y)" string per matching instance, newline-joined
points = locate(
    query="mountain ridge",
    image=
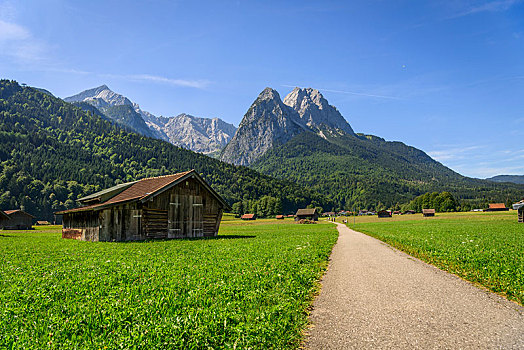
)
(52, 152)
(204, 135)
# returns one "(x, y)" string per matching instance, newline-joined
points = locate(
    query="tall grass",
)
(249, 288)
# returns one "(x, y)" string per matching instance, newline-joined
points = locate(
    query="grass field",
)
(484, 248)
(249, 288)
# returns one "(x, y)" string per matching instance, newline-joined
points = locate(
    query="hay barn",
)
(519, 207)
(248, 217)
(17, 220)
(182, 205)
(280, 217)
(497, 207)
(384, 214)
(309, 214)
(428, 212)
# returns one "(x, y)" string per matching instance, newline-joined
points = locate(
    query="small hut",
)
(42, 223)
(280, 217)
(249, 217)
(408, 212)
(384, 214)
(309, 214)
(497, 207)
(428, 212)
(520, 210)
(181, 205)
(17, 219)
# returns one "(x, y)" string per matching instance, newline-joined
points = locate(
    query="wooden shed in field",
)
(497, 207)
(17, 219)
(519, 207)
(384, 213)
(173, 206)
(309, 214)
(280, 217)
(428, 212)
(248, 217)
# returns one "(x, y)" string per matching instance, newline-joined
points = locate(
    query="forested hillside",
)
(359, 171)
(52, 152)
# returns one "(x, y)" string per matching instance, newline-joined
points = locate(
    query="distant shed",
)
(428, 212)
(308, 213)
(181, 205)
(280, 217)
(520, 210)
(249, 217)
(42, 223)
(497, 207)
(384, 214)
(17, 220)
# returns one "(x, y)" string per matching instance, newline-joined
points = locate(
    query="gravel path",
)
(374, 296)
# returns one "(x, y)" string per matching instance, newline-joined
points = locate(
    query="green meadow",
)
(248, 288)
(484, 248)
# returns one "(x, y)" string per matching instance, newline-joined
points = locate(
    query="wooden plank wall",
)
(87, 223)
(191, 210)
(521, 215)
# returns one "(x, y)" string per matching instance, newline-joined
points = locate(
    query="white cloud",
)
(17, 43)
(198, 84)
(363, 94)
(489, 6)
(13, 32)
(454, 153)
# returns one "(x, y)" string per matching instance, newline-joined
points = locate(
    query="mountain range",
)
(204, 135)
(301, 150)
(305, 139)
(517, 179)
(53, 152)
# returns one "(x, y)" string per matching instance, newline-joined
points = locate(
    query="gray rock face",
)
(109, 102)
(202, 135)
(315, 111)
(267, 123)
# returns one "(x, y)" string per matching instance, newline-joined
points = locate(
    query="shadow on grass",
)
(190, 239)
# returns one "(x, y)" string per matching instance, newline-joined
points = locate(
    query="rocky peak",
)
(267, 123)
(315, 111)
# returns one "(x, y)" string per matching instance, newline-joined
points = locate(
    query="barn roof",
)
(305, 212)
(248, 216)
(10, 212)
(107, 193)
(497, 206)
(518, 205)
(428, 211)
(144, 189)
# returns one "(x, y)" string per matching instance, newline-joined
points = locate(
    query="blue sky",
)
(444, 76)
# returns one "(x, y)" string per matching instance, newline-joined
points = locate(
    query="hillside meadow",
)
(248, 288)
(484, 248)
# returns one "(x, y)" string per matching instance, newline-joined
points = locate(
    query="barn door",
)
(175, 217)
(198, 217)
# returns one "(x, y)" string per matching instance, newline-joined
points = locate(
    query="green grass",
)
(484, 248)
(250, 288)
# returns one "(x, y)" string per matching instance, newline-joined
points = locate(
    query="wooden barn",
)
(309, 214)
(428, 212)
(384, 214)
(173, 206)
(16, 219)
(520, 210)
(280, 217)
(248, 217)
(497, 207)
